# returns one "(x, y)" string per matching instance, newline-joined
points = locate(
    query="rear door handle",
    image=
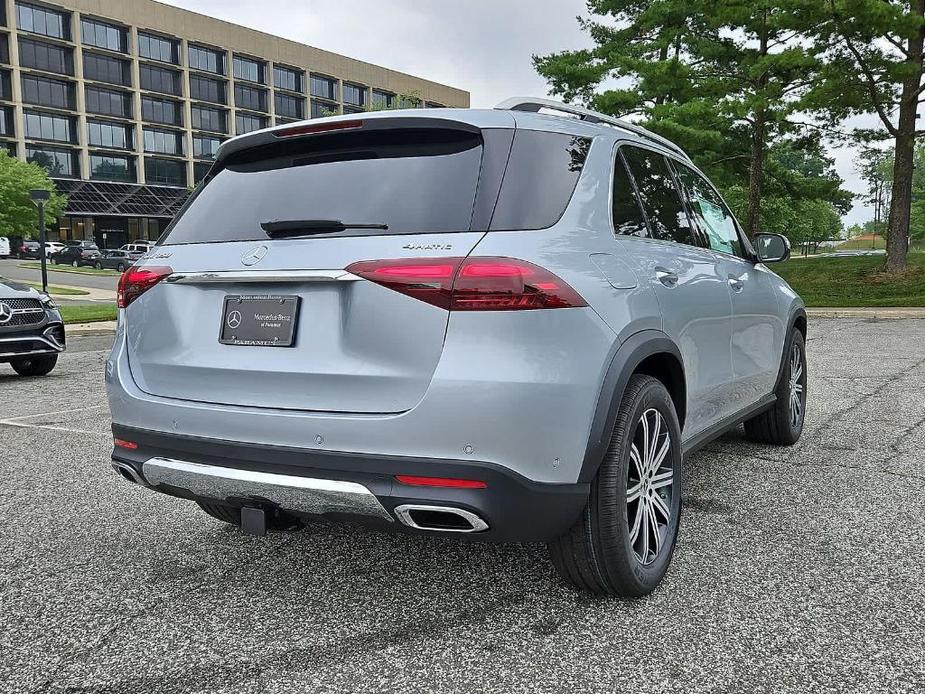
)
(736, 284)
(666, 276)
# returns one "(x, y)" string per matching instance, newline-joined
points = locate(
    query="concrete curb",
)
(99, 327)
(875, 313)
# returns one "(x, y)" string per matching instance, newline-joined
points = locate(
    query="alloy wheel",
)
(649, 486)
(797, 385)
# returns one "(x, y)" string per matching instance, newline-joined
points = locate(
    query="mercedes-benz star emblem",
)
(234, 319)
(6, 313)
(254, 256)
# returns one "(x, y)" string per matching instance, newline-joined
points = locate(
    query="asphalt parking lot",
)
(797, 569)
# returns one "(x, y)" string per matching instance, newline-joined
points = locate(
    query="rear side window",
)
(659, 194)
(628, 219)
(710, 212)
(540, 178)
(413, 180)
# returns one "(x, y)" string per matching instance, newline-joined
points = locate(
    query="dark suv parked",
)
(29, 250)
(84, 254)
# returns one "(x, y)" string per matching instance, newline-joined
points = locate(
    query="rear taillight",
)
(472, 284)
(136, 281)
(450, 482)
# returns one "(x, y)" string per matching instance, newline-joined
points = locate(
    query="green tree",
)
(723, 79)
(873, 63)
(18, 214)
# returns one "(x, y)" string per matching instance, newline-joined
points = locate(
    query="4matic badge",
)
(428, 247)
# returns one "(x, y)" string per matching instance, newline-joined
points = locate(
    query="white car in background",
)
(4, 247)
(52, 247)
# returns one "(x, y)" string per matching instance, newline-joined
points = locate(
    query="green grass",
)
(88, 313)
(67, 268)
(59, 291)
(855, 281)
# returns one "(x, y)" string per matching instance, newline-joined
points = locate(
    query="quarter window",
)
(660, 199)
(628, 218)
(710, 212)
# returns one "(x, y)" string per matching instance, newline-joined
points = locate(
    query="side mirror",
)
(772, 248)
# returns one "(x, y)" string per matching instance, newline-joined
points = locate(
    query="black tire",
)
(598, 554)
(231, 514)
(74, 263)
(98, 265)
(35, 366)
(779, 425)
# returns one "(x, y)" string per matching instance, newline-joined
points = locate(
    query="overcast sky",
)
(482, 46)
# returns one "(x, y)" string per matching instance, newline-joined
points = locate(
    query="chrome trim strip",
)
(288, 492)
(262, 276)
(404, 515)
(30, 338)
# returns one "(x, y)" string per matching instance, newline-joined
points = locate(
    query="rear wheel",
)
(276, 520)
(623, 541)
(74, 263)
(98, 265)
(35, 366)
(783, 423)
(121, 267)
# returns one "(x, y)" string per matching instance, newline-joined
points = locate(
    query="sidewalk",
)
(90, 293)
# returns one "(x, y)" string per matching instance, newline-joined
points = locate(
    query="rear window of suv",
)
(413, 180)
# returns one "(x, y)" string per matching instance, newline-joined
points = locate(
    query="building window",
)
(10, 147)
(354, 94)
(406, 101)
(289, 106)
(324, 87)
(168, 171)
(6, 121)
(323, 110)
(45, 56)
(206, 59)
(212, 119)
(161, 111)
(383, 100)
(43, 91)
(4, 47)
(57, 162)
(205, 147)
(104, 167)
(200, 171)
(104, 68)
(163, 141)
(434, 104)
(107, 102)
(158, 48)
(45, 126)
(41, 20)
(285, 78)
(205, 89)
(110, 135)
(245, 123)
(6, 86)
(156, 79)
(250, 98)
(248, 69)
(102, 35)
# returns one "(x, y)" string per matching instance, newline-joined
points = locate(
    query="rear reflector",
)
(136, 281)
(416, 481)
(122, 443)
(472, 284)
(321, 128)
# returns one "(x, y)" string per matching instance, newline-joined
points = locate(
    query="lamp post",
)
(40, 197)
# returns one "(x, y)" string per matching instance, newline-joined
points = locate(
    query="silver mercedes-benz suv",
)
(508, 324)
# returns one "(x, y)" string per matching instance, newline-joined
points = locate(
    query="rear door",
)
(757, 328)
(275, 319)
(690, 285)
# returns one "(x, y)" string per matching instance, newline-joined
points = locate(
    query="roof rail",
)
(534, 105)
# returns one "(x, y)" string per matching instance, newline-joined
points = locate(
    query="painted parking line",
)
(22, 425)
(10, 420)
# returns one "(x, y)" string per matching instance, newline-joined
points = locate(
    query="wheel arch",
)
(649, 352)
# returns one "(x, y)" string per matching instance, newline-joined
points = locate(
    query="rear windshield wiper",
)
(306, 227)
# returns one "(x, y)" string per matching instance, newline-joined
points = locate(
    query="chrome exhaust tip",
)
(127, 472)
(444, 519)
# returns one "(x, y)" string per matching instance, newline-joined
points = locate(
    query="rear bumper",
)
(346, 485)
